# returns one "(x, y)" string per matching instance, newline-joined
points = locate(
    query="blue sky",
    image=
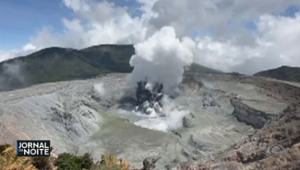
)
(21, 19)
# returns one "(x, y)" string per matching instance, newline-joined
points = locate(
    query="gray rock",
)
(209, 101)
(250, 116)
(187, 121)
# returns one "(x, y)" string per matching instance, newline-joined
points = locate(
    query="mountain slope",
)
(114, 58)
(282, 73)
(61, 64)
(196, 68)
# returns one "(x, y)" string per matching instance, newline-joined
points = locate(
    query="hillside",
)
(60, 64)
(196, 68)
(282, 73)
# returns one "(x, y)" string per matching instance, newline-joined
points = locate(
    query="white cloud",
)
(77, 5)
(5, 55)
(29, 47)
(73, 25)
(220, 55)
(229, 47)
(276, 44)
(105, 23)
(215, 14)
(9, 54)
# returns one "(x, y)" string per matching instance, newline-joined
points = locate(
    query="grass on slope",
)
(282, 73)
(59, 64)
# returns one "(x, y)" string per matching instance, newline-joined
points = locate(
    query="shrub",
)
(44, 163)
(111, 163)
(3, 147)
(10, 161)
(67, 161)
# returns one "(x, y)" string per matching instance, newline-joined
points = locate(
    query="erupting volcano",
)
(148, 98)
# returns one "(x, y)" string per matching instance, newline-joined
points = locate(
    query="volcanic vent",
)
(149, 106)
(148, 98)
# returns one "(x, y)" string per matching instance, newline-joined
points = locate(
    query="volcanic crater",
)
(207, 115)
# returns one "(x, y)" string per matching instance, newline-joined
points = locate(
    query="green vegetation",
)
(67, 161)
(43, 162)
(61, 64)
(282, 73)
(111, 163)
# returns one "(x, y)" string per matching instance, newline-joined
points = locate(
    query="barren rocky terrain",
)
(235, 121)
(276, 146)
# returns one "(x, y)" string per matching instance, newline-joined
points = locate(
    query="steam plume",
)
(161, 58)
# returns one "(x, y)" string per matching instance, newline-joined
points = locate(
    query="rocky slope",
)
(274, 146)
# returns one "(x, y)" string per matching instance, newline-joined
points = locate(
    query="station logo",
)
(33, 148)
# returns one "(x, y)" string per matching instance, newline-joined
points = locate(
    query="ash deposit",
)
(104, 115)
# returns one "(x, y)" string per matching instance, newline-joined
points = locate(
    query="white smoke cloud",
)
(172, 120)
(12, 72)
(161, 58)
(99, 88)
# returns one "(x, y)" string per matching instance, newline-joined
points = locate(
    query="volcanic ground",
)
(211, 114)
